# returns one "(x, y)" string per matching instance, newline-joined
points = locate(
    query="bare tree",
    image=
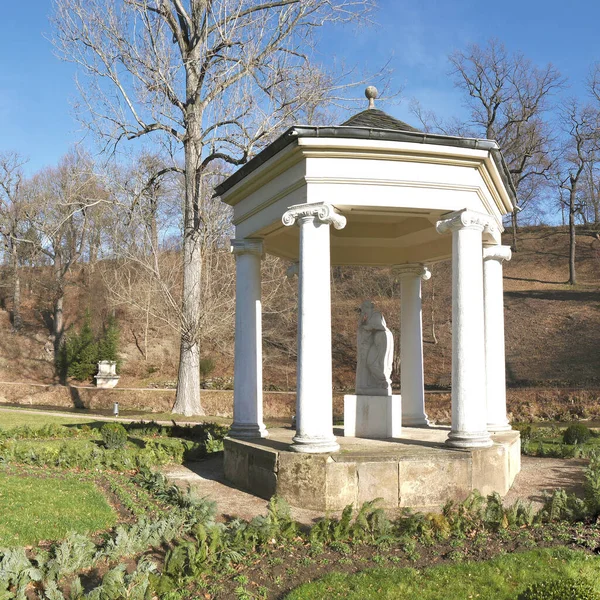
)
(591, 194)
(144, 274)
(12, 219)
(64, 197)
(217, 79)
(508, 100)
(581, 126)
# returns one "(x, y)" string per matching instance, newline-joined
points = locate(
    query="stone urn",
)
(107, 377)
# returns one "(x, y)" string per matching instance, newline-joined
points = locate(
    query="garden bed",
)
(172, 545)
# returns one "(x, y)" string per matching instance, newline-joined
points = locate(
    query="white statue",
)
(375, 353)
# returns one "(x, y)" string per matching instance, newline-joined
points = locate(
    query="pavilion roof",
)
(370, 124)
(374, 118)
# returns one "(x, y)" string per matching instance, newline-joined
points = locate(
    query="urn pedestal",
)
(107, 377)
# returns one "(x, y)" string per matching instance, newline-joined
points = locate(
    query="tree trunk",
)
(513, 218)
(17, 320)
(152, 224)
(187, 401)
(572, 234)
(58, 323)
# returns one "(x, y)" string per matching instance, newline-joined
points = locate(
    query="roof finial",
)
(371, 93)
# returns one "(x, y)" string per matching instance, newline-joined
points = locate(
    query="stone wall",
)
(523, 403)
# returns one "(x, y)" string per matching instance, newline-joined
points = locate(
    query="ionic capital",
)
(325, 213)
(413, 270)
(497, 252)
(247, 246)
(467, 219)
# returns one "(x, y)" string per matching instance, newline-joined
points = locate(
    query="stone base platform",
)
(416, 470)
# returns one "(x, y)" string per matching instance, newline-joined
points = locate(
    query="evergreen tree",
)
(108, 346)
(78, 357)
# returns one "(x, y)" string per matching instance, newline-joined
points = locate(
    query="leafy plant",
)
(76, 552)
(117, 584)
(495, 517)
(561, 506)
(114, 435)
(520, 514)
(16, 573)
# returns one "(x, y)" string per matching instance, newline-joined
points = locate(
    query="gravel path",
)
(539, 475)
(92, 416)
(207, 481)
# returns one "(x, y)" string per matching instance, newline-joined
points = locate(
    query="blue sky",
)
(37, 90)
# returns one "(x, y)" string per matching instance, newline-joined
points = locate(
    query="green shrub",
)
(207, 366)
(577, 433)
(114, 435)
(592, 485)
(560, 589)
(525, 430)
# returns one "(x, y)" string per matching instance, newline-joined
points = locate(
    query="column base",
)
(248, 430)
(314, 445)
(497, 427)
(464, 439)
(416, 421)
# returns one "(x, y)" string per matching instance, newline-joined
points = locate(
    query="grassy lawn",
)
(501, 578)
(40, 508)
(17, 418)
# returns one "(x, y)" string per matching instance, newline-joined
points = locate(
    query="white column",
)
(469, 410)
(495, 363)
(247, 388)
(314, 395)
(411, 345)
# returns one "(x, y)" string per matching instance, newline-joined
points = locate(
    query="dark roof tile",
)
(373, 118)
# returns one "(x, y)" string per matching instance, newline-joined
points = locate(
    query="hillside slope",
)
(552, 329)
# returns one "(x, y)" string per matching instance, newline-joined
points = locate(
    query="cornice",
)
(305, 148)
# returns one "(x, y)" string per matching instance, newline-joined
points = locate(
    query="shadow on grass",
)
(561, 295)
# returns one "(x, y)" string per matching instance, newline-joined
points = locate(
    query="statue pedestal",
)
(378, 417)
